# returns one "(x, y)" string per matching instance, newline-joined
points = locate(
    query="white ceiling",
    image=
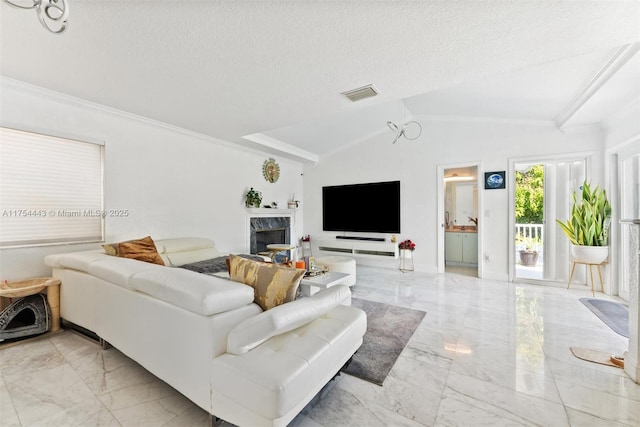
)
(275, 69)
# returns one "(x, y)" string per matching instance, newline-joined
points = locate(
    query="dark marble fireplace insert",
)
(266, 230)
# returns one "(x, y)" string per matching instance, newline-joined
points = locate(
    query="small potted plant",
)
(253, 198)
(529, 250)
(588, 227)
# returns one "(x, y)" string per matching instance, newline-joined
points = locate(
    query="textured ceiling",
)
(276, 68)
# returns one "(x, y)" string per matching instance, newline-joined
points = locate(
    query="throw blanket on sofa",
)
(215, 265)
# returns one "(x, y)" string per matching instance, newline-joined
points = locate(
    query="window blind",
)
(51, 190)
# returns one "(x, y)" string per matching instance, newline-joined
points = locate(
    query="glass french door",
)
(543, 193)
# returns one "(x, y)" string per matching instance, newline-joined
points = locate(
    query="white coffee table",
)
(311, 285)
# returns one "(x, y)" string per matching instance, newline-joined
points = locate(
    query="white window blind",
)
(51, 190)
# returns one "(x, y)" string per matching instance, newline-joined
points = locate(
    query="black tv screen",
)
(372, 207)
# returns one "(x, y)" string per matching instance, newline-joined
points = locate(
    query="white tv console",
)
(359, 247)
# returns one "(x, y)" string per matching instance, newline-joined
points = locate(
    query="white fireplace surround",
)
(632, 265)
(270, 213)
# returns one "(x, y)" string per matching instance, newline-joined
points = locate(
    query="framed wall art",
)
(494, 180)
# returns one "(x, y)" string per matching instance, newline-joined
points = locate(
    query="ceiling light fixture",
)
(49, 12)
(410, 130)
(456, 177)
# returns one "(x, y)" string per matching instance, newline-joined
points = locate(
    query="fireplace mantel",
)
(270, 212)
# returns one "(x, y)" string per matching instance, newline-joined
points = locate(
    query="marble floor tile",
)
(8, 415)
(154, 413)
(344, 408)
(43, 394)
(506, 402)
(487, 353)
(600, 404)
(578, 418)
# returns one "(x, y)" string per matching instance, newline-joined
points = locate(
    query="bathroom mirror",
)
(466, 202)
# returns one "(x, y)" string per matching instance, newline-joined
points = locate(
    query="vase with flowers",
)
(406, 255)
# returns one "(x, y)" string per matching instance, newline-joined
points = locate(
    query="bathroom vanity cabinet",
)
(461, 247)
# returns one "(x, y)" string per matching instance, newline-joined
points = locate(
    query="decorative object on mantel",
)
(270, 170)
(406, 255)
(253, 198)
(293, 203)
(49, 12)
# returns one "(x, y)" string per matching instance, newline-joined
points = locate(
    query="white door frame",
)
(440, 208)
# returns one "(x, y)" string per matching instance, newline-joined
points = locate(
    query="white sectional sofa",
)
(204, 336)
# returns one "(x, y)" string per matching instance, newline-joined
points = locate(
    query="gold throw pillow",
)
(141, 249)
(272, 285)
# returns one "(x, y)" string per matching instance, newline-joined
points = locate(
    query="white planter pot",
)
(589, 254)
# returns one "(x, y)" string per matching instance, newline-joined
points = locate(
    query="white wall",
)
(623, 126)
(174, 183)
(414, 164)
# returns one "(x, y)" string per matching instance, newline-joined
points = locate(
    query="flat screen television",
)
(371, 207)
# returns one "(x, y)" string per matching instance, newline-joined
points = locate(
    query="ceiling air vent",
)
(361, 93)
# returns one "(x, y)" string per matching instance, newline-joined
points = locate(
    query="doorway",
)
(458, 213)
(543, 192)
(628, 171)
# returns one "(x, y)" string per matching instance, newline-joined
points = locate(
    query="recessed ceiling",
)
(276, 69)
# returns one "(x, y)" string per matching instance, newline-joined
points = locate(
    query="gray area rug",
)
(613, 314)
(389, 328)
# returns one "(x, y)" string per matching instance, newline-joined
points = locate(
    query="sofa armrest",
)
(284, 318)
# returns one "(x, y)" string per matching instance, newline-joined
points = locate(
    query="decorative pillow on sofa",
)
(272, 285)
(141, 249)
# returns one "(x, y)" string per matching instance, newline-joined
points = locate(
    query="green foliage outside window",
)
(530, 195)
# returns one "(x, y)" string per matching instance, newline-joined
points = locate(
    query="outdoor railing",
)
(534, 231)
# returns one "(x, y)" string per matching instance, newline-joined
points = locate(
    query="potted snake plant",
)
(588, 227)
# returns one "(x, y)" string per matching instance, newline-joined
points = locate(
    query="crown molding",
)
(73, 101)
(618, 58)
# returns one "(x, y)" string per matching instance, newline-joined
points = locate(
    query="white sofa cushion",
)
(119, 271)
(283, 318)
(195, 292)
(183, 244)
(177, 259)
(81, 260)
(180, 251)
(270, 380)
